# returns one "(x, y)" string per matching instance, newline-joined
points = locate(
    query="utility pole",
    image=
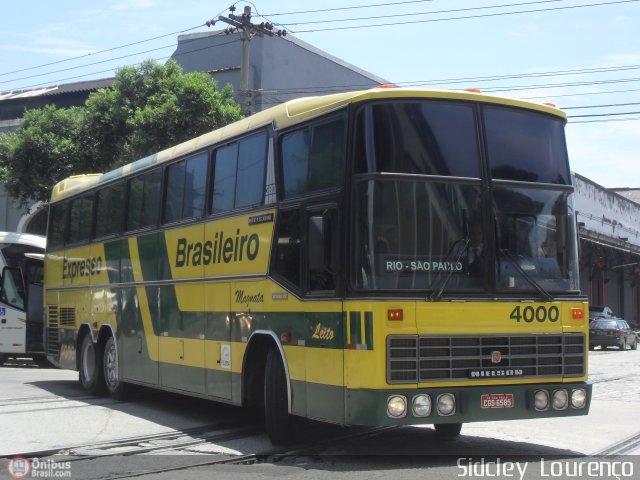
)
(247, 30)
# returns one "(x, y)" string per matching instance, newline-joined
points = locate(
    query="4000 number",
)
(540, 314)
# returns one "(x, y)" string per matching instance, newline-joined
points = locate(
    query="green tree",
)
(42, 151)
(149, 108)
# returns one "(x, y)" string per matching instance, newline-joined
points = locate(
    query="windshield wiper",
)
(437, 294)
(543, 293)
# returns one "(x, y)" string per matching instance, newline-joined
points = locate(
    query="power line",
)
(631, 119)
(606, 92)
(496, 14)
(602, 106)
(413, 14)
(359, 7)
(408, 83)
(109, 49)
(58, 81)
(97, 53)
(615, 114)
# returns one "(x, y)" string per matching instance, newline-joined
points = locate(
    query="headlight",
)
(578, 398)
(396, 406)
(422, 405)
(560, 399)
(541, 400)
(446, 404)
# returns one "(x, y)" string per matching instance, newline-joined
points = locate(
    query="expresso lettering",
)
(222, 249)
(85, 267)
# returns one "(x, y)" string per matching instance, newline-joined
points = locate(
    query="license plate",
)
(497, 400)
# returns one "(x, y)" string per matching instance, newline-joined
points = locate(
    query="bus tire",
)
(3, 357)
(91, 376)
(280, 424)
(118, 390)
(448, 430)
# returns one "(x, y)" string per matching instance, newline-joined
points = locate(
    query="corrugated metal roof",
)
(86, 86)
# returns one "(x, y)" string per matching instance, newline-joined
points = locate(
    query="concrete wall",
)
(607, 213)
(281, 68)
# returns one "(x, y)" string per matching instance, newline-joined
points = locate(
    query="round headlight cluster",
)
(421, 405)
(446, 404)
(560, 399)
(578, 398)
(396, 406)
(541, 400)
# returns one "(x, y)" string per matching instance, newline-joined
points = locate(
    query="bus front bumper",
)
(466, 404)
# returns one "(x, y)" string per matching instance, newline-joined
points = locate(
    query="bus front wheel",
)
(117, 388)
(91, 376)
(280, 424)
(448, 430)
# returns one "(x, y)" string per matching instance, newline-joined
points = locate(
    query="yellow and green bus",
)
(381, 257)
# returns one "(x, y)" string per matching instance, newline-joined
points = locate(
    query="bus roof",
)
(23, 239)
(282, 116)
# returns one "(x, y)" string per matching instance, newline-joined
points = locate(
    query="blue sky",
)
(582, 55)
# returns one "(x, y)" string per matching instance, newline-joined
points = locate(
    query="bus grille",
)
(67, 316)
(429, 358)
(53, 333)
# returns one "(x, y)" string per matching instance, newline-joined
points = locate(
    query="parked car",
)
(600, 311)
(611, 332)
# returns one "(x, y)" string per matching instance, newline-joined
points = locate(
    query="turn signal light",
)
(577, 313)
(395, 314)
(472, 90)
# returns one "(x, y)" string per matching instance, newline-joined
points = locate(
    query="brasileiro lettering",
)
(221, 249)
(84, 267)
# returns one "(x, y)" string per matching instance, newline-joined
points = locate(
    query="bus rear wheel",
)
(281, 426)
(91, 376)
(117, 389)
(448, 430)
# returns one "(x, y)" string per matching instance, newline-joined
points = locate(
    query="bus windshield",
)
(426, 217)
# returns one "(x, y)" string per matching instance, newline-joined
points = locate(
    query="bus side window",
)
(186, 184)
(57, 224)
(109, 210)
(252, 160)
(81, 218)
(313, 157)
(144, 200)
(238, 173)
(327, 154)
(224, 178)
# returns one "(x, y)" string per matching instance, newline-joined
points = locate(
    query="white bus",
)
(21, 315)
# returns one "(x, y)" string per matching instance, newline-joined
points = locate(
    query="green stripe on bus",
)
(354, 328)
(368, 329)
